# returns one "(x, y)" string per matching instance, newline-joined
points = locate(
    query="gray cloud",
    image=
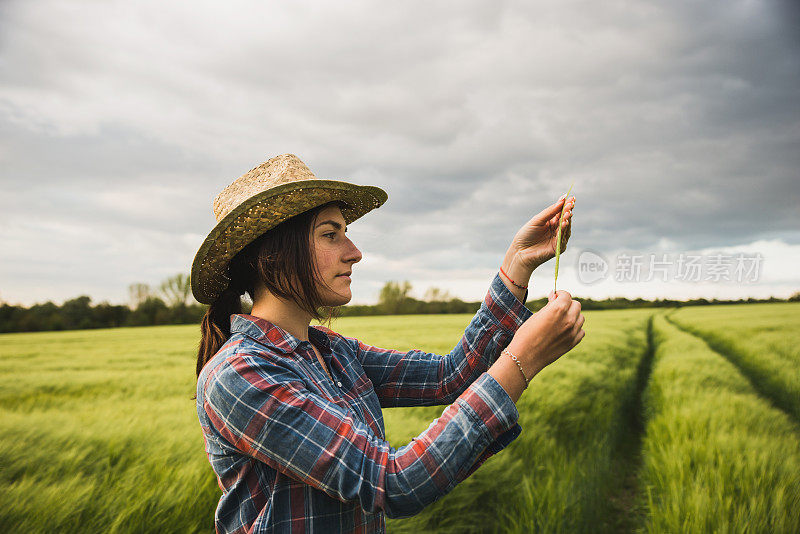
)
(677, 121)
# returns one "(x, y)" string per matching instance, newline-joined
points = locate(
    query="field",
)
(659, 421)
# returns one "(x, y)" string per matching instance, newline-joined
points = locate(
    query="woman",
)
(291, 413)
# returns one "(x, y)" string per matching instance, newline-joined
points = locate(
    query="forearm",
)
(481, 422)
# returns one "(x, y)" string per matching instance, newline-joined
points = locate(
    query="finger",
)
(563, 296)
(546, 214)
(578, 325)
(573, 313)
(566, 230)
(553, 223)
(567, 215)
(578, 338)
(552, 297)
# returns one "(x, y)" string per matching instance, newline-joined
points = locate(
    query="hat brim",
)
(264, 211)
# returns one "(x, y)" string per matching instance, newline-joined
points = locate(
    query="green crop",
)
(558, 234)
(103, 435)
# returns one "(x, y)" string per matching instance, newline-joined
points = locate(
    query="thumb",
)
(551, 296)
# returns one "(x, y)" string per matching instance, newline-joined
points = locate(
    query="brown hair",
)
(276, 258)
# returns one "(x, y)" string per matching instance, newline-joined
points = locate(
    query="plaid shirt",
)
(294, 451)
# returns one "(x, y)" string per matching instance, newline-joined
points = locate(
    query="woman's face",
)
(335, 254)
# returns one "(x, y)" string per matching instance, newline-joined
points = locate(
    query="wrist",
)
(515, 275)
(526, 377)
(508, 376)
(515, 268)
(528, 358)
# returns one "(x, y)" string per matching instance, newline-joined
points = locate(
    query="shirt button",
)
(339, 384)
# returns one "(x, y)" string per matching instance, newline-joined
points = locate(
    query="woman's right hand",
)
(549, 333)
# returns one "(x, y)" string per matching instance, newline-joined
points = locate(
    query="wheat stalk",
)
(558, 234)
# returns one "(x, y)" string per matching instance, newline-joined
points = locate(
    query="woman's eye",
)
(331, 235)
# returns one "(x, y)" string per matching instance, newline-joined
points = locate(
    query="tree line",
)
(168, 303)
(171, 303)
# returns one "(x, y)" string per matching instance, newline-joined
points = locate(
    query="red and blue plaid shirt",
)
(295, 451)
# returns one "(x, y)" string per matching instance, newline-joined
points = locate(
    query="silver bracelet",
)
(527, 380)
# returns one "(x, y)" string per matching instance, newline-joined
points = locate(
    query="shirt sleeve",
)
(418, 378)
(265, 411)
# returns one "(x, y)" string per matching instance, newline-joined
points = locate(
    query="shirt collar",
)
(271, 335)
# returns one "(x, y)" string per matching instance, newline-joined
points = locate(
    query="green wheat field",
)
(679, 420)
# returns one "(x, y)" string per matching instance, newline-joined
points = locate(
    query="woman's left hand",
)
(535, 242)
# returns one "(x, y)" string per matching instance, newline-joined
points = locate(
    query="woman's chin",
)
(341, 298)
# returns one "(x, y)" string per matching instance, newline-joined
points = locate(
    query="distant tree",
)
(176, 290)
(77, 313)
(151, 311)
(10, 317)
(193, 313)
(795, 297)
(434, 294)
(110, 316)
(393, 296)
(138, 294)
(47, 316)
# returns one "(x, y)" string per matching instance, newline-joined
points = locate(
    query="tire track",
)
(626, 508)
(769, 392)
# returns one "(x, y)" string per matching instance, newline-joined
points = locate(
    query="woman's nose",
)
(353, 254)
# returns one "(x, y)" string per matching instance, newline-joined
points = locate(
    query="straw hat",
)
(276, 190)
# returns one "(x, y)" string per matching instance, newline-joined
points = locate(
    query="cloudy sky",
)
(678, 122)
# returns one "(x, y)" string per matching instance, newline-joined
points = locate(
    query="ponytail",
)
(216, 325)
